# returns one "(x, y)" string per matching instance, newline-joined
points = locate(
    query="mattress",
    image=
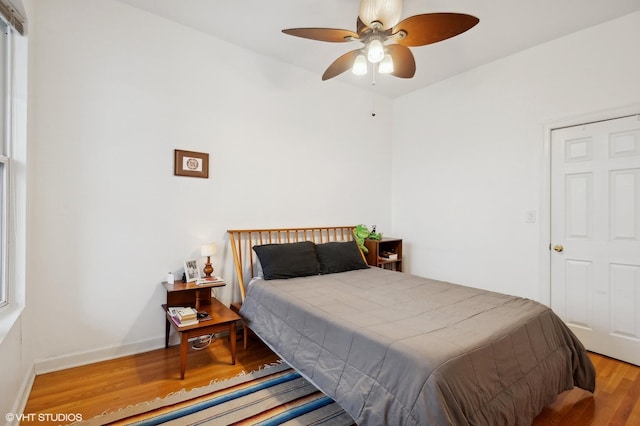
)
(393, 348)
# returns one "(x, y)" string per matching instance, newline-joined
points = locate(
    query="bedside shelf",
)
(377, 249)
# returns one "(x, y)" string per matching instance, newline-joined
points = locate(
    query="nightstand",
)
(198, 297)
(385, 253)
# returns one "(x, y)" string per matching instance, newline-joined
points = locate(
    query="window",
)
(13, 168)
(5, 134)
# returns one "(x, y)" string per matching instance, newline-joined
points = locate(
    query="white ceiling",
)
(506, 27)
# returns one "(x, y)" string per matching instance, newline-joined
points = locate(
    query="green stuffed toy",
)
(361, 233)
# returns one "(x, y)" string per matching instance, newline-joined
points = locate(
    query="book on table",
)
(186, 313)
(210, 280)
(183, 316)
(204, 316)
(388, 255)
(184, 323)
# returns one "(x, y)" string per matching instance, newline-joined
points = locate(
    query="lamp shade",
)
(386, 65)
(360, 65)
(387, 12)
(208, 249)
(375, 51)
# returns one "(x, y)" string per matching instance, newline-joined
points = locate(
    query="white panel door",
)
(595, 234)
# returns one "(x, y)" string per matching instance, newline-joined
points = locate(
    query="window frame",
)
(5, 160)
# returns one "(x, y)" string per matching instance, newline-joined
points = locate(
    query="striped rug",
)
(275, 395)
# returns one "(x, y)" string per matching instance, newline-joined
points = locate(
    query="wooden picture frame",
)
(191, 163)
(191, 270)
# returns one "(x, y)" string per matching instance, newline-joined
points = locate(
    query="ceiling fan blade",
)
(404, 64)
(340, 65)
(323, 34)
(432, 28)
(361, 27)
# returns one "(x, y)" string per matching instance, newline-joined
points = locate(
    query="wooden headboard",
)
(243, 240)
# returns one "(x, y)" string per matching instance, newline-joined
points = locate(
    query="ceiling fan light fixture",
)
(359, 65)
(385, 11)
(379, 30)
(386, 65)
(375, 51)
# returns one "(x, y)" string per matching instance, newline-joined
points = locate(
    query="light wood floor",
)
(109, 385)
(106, 386)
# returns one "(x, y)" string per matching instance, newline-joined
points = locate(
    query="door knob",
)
(558, 248)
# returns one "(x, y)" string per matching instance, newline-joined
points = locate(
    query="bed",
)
(393, 348)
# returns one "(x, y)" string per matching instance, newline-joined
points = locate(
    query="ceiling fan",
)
(386, 38)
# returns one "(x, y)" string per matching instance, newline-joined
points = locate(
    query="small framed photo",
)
(190, 163)
(191, 270)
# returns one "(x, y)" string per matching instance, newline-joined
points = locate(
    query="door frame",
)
(545, 184)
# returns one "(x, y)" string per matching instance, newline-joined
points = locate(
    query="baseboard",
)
(49, 365)
(23, 396)
(83, 358)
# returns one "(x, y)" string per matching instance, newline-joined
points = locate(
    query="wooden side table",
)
(377, 248)
(189, 294)
(222, 319)
(198, 297)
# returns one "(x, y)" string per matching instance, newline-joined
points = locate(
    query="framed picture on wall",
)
(191, 163)
(191, 271)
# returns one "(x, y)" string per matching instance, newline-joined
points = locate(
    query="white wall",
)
(468, 154)
(116, 90)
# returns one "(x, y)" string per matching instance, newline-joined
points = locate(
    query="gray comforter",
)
(392, 348)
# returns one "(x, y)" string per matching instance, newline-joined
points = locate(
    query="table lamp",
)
(208, 250)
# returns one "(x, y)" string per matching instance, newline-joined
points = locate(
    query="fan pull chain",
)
(373, 105)
(373, 74)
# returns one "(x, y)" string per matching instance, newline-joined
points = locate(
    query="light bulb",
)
(375, 51)
(359, 65)
(386, 65)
